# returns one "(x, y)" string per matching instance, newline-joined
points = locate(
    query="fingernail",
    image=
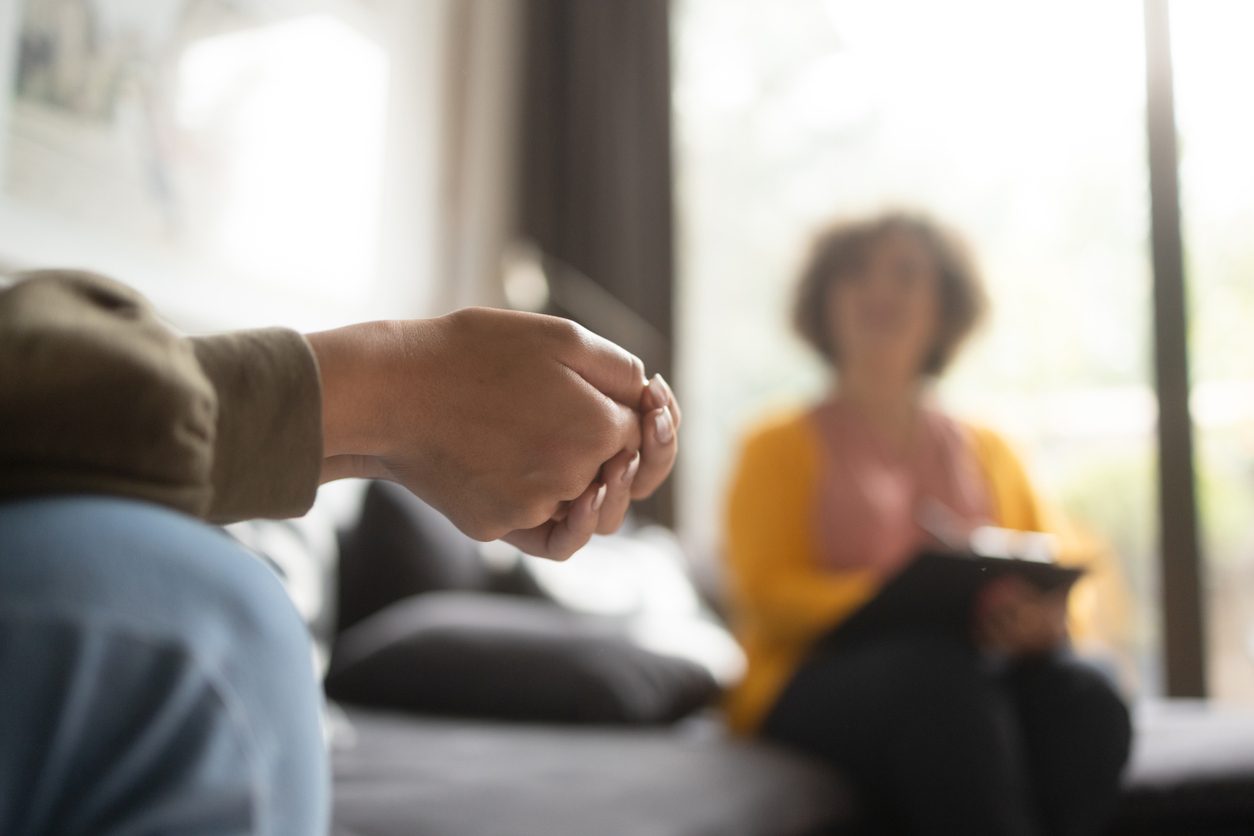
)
(658, 389)
(599, 499)
(632, 467)
(665, 432)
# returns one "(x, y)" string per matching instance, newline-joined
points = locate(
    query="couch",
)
(414, 772)
(1192, 774)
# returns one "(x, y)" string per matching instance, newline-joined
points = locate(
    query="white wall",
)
(197, 296)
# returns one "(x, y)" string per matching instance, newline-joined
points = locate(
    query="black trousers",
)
(937, 739)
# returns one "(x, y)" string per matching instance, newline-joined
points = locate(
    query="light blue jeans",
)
(154, 678)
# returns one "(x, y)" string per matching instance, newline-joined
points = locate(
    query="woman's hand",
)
(1015, 618)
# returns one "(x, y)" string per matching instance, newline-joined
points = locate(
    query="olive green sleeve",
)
(268, 453)
(98, 396)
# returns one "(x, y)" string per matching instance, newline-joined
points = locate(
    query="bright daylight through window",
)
(975, 113)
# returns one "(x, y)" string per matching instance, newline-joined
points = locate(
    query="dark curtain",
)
(596, 180)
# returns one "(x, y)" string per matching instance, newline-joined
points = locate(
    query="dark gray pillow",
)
(491, 656)
(401, 547)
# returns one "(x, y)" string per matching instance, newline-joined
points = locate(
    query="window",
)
(240, 162)
(1024, 127)
(1210, 44)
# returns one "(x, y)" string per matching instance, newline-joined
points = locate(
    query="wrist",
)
(352, 370)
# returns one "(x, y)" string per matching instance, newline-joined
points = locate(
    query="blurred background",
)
(655, 170)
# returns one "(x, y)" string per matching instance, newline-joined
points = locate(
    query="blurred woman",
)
(996, 733)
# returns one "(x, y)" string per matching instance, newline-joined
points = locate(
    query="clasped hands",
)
(515, 426)
(1016, 619)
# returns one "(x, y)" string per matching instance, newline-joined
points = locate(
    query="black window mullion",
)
(1181, 567)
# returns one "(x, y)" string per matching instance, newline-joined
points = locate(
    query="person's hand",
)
(513, 425)
(660, 417)
(1015, 618)
(629, 475)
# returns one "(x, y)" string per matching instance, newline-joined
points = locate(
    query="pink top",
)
(870, 500)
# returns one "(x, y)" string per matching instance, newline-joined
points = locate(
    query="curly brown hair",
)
(839, 249)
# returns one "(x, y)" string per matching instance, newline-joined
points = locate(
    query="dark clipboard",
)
(937, 592)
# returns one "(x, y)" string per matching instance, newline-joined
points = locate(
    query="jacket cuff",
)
(268, 449)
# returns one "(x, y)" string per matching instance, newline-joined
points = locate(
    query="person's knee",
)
(1104, 712)
(927, 670)
(1083, 698)
(124, 562)
(900, 687)
(101, 565)
(243, 612)
(106, 564)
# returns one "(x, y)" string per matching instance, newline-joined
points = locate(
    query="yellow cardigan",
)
(781, 599)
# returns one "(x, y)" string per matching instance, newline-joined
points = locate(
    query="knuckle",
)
(611, 427)
(494, 520)
(564, 332)
(638, 372)
(531, 515)
(605, 431)
(570, 486)
(482, 530)
(464, 318)
(596, 441)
